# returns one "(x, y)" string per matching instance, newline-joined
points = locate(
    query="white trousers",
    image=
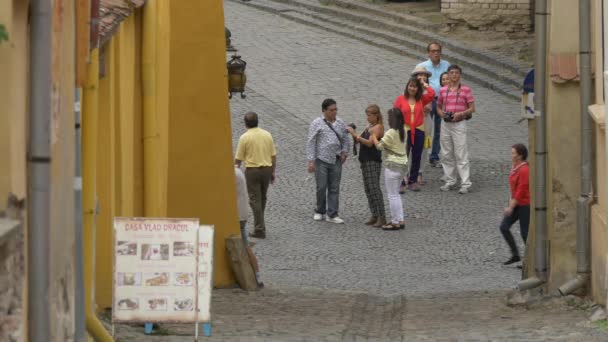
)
(454, 153)
(392, 180)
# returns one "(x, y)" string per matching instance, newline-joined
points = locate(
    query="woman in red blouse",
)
(411, 104)
(519, 205)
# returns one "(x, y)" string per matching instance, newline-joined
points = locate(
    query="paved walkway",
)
(440, 279)
(451, 242)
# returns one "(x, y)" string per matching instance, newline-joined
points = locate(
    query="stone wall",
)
(496, 15)
(12, 275)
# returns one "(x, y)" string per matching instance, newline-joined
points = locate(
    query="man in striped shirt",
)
(455, 105)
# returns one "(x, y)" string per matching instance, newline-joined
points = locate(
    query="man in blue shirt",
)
(436, 66)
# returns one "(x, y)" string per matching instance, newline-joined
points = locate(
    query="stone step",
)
(407, 41)
(310, 18)
(407, 24)
(419, 38)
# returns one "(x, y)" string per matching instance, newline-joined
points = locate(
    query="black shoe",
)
(433, 162)
(259, 234)
(513, 260)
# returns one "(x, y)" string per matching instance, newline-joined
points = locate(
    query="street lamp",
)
(236, 76)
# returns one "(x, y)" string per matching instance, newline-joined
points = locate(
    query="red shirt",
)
(519, 180)
(416, 120)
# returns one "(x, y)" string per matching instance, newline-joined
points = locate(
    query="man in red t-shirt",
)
(455, 105)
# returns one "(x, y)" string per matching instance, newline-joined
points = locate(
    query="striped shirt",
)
(455, 101)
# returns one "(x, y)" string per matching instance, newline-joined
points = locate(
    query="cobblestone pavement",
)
(440, 279)
(451, 242)
(317, 315)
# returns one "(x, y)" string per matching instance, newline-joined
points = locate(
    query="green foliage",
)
(602, 324)
(3, 33)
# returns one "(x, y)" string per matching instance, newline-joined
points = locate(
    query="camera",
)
(352, 125)
(448, 116)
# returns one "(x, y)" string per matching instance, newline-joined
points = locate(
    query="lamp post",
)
(236, 76)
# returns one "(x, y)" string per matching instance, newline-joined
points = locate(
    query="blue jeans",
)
(436, 132)
(328, 187)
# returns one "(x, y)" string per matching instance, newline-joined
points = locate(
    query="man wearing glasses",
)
(436, 66)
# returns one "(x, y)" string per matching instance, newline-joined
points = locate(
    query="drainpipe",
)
(39, 173)
(586, 196)
(540, 157)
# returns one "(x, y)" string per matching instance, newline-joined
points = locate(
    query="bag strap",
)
(338, 135)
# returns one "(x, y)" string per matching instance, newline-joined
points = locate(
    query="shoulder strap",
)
(332, 128)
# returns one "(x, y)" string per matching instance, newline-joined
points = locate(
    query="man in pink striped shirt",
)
(455, 105)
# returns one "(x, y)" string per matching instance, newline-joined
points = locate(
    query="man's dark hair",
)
(428, 47)
(521, 150)
(455, 67)
(327, 102)
(251, 120)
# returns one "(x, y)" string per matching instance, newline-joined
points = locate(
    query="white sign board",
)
(205, 272)
(155, 270)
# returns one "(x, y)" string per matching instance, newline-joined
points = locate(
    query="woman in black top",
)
(371, 164)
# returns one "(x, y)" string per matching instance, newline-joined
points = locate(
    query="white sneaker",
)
(446, 187)
(318, 217)
(463, 191)
(334, 219)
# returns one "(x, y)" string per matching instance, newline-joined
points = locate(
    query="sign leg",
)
(207, 329)
(148, 328)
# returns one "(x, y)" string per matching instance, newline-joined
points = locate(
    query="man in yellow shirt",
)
(256, 149)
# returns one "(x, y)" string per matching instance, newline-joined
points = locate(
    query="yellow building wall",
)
(563, 141)
(106, 184)
(13, 98)
(194, 147)
(200, 169)
(6, 105)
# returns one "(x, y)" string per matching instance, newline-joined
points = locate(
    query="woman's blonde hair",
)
(375, 110)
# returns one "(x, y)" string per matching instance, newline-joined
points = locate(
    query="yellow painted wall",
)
(106, 185)
(194, 163)
(6, 106)
(18, 97)
(200, 169)
(563, 141)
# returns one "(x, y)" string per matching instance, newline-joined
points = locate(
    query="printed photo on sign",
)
(154, 251)
(157, 304)
(129, 279)
(183, 279)
(156, 279)
(126, 248)
(183, 304)
(183, 248)
(128, 304)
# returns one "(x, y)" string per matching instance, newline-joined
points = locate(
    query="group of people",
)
(433, 97)
(430, 115)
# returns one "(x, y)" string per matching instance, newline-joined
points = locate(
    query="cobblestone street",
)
(451, 242)
(440, 279)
